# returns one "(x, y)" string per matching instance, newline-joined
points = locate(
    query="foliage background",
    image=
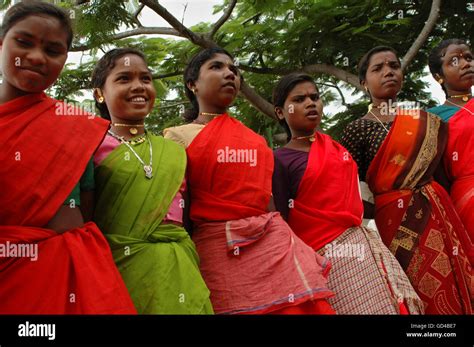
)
(269, 38)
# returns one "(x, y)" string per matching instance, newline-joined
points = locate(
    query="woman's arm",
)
(87, 205)
(187, 222)
(66, 218)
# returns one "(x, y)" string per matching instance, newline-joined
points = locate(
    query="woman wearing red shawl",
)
(452, 66)
(398, 152)
(316, 188)
(250, 259)
(50, 261)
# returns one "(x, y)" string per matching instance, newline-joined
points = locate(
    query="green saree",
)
(158, 262)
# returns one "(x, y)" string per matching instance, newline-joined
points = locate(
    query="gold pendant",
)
(133, 131)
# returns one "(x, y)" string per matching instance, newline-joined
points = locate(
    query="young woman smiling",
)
(47, 178)
(140, 191)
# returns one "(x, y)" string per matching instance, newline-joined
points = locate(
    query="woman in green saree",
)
(140, 186)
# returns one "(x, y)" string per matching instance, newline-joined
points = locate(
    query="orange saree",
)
(41, 272)
(415, 216)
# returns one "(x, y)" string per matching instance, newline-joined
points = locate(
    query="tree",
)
(270, 38)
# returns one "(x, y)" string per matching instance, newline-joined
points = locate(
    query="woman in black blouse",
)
(397, 152)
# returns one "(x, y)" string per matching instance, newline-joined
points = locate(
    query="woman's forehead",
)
(220, 57)
(456, 48)
(382, 56)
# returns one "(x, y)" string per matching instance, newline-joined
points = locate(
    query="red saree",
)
(333, 209)
(43, 156)
(327, 215)
(415, 216)
(459, 163)
(250, 259)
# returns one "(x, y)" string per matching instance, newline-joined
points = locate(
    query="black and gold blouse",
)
(363, 138)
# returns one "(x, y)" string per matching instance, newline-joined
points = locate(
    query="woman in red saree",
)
(397, 152)
(451, 64)
(250, 259)
(50, 261)
(316, 188)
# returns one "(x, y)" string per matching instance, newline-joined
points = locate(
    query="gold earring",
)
(100, 100)
(193, 90)
(440, 81)
(366, 89)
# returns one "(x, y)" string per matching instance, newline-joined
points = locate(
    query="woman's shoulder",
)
(166, 142)
(285, 157)
(360, 123)
(183, 134)
(357, 127)
(445, 112)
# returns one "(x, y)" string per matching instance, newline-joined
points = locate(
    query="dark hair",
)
(435, 62)
(31, 8)
(191, 74)
(364, 61)
(284, 86)
(103, 68)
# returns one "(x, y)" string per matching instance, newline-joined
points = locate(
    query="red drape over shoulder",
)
(328, 196)
(244, 171)
(41, 145)
(45, 147)
(459, 162)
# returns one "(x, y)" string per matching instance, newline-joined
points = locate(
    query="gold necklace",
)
(452, 103)
(310, 137)
(209, 114)
(381, 123)
(206, 114)
(464, 97)
(133, 130)
(391, 107)
(147, 168)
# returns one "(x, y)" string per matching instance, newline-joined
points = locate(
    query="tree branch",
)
(137, 13)
(264, 70)
(169, 74)
(423, 36)
(177, 25)
(223, 19)
(133, 32)
(335, 86)
(310, 69)
(331, 70)
(257, 101)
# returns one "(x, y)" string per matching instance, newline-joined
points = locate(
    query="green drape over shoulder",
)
(444, 112)
(158, 262)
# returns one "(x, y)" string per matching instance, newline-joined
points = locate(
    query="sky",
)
(195, 11)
